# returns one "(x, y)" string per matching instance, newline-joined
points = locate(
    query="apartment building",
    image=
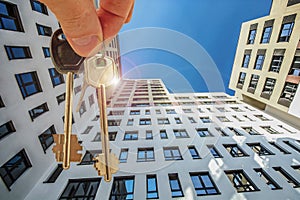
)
(266, 69)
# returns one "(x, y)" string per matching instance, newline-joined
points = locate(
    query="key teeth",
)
(100, 164)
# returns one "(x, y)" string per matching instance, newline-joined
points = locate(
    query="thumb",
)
(79, 22)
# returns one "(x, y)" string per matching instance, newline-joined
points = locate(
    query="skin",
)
(87, 28)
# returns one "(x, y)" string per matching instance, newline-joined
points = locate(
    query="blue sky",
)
(213, 24)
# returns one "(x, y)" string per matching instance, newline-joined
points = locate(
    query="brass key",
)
(66, 61)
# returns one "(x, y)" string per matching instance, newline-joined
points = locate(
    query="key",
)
(66, 61)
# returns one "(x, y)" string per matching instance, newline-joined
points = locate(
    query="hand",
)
(85, 27)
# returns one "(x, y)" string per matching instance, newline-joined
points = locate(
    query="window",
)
(112, 136)
(44, 30)
(268, 88)
(46, 138)
(163, 121)
(77, 89)
(6, 129)
(134, 112)
(253, 83)
(96, 118)
(81, 189)
(192, 120)
(46, 52)
(269, 181)
(145, 154)
(56, 77)
(279, 148)
(39, 7)
(175, 185)
(163, 134)
(61, 98)
(235, 131)
(55, 174)
(246, 58)
(247, 117)
(293, 2)
(88, 158)
(221, 131)
(205, 119)
(296, 168)
(9, 17)
(241, 181)
(214, 152)
(270, 130)
(237, 118)
(97, 137)
(145, 121)
(286, 28)
(200, 111)
(262, 118)
(37, 111)
(82, 108)
(29, 83)
(290, 179)
(63, 119)
(288, 94)
(130, 122)
(251, 131)
(204, 184)
(14, 168)
(241, 80)
(223, 119)
(180, 133)
(170, 111)
(157, 111)
(260, 59)
(203, 132)
(295, 68)
(235, 150)
(131, 135)
(147, 112)
(172, 153)
(293, 146)
(122, 188)
(87, 130)
(91, 100)
(1, 103)
(277, 60)
(17, 52)
(268, 26)
(123, 155)
(114, 122)
(222, 109)
(149, 135)
(187, 110)
(177, 120)
(194, 153)
(259, 149)
(252, 34)
(152, 190)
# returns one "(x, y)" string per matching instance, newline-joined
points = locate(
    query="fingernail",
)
(87, 40)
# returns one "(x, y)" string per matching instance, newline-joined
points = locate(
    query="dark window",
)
(262, 118)
(112, 136)
(266, 34)
(178, 120)
(37, 111)
(259, 61)
(276, 63)
(269, 181)
(205, 119)
(82, 108)
(235, 131)
(29, 83)
(170, 111)
(149, 135)
(77, 89)
(44, 30)
(221, 131)
(235, 150)
(145, 121)
(63, 119)
(246, 60)
(251, 37)
(253, 83)
(114, 122)
(147, 112)
(241, 80)
(241, 181)
(203, 132)
(97, 137)
(251, 131)
(172, 153)
(290, 179)
(135, 112)
(288, 94)
(122, 188)
(39, 7)
(163, 121)
(214, 152)
(91, 100)
(14, 168)
(61, 98)
(293, 2)
(81, 189)
(292, 145)
(9, 17)
(130, 122)
(187, 110)
(281, 149)
(192, 120)
(87, 130)
(194, 153)
(1, 103)
(259, 149)
(46, 138)
(152, 189)
(145, 154)
(286, 32)
(46, 52)
(269, 129)
(295, 68)
(55, 174)
(17, 52)
(131, 135)
(6, 129)
(163, 134)
(223, 119)
(56, 77)
(204, 184)
(180, 133)
(88, 158)
(123, 155)
(175, 185)
(268, 88)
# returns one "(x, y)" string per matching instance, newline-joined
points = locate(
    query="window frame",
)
(12, 9)
(12, 54)
(22, 85)
(203, 183)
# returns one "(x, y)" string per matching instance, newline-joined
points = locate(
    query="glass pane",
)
(9, 23)
(151, 184)
(207, 181)
(3, 9)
